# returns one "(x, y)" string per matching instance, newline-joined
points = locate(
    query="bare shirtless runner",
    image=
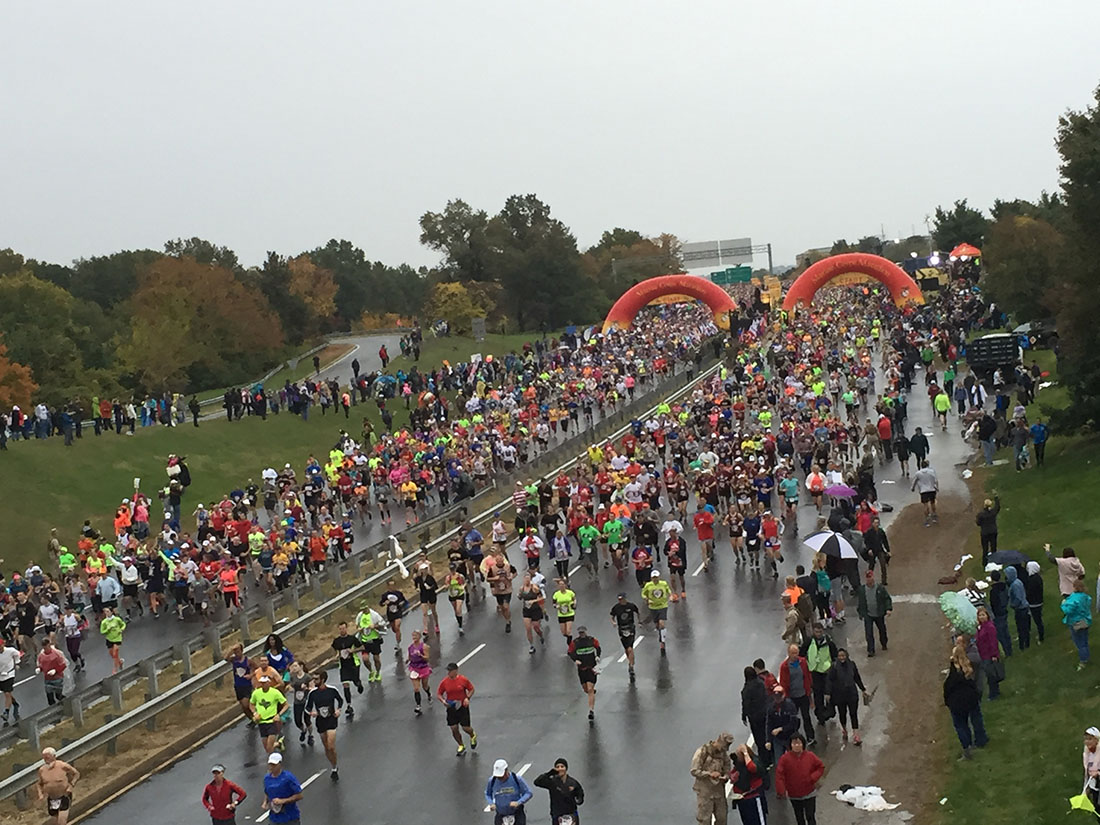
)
(55, 785)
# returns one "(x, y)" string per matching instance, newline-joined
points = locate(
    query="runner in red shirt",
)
(704, 526)
(456, 691)
(221, 797)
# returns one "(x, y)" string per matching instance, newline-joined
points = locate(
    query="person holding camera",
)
(566, 793)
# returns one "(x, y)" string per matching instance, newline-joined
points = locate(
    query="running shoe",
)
(334, 775)
(591, 716)
(531, 649)
(418, 710)
(461, 750)
(507, 627)
(351, 711)
(473, 741)
(302, 737)
(309, 739)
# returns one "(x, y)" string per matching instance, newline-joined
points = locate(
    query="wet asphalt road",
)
(529, 709)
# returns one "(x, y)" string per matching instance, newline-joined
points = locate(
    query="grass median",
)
(1033, 762)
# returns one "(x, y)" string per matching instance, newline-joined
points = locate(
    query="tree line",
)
(1041, 258)
(193, 317)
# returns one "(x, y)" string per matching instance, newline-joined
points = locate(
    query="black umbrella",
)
(831, 544)
(1007, 558)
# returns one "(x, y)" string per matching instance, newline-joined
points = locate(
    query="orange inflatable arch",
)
(623, 312)
(903, 289)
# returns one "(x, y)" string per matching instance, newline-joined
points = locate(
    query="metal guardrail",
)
(32, 726)
(158, 702)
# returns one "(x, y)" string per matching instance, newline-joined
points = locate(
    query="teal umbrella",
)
(960, 611)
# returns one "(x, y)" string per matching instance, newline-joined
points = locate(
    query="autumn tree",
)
(315, 287)
(16, 384)
(195, 325)
(365, 286)
(455, 304)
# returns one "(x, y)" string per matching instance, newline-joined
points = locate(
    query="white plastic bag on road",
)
(864, 798)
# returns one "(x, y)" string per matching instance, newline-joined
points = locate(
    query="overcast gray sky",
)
(277, 125)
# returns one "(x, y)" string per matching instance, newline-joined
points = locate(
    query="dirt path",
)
(905, 721)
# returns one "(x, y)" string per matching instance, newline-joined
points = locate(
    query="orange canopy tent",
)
(967, 250)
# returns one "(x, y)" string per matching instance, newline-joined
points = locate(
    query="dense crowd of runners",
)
(260, 536)
(804, 415)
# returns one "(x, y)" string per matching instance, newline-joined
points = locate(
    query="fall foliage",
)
(16, 384)
(195, 324)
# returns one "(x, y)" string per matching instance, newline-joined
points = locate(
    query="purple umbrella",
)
(841, 491)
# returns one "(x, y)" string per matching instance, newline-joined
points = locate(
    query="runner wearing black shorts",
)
(345, 645)
(624, 615)
(324, 705)
(585, 651)
(530, 598)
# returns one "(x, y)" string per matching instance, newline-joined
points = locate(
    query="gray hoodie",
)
(1017, 598)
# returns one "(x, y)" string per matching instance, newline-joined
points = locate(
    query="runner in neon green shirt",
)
(587, 536)
(371, 625)
(655, 593)
(565, 602)
(267, 702)
(111, 628)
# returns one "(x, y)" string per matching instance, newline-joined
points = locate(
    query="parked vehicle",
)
(998, 349)
(1037, 335)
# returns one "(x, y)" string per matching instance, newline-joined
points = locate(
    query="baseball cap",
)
(656, 574)
(275, 758)
(1093, 731)
(623, 595)
(500, 767)
(217, 769)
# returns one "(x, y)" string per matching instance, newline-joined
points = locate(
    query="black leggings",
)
(301, 720)
(846, 705)
(1037, 617)
(805, 810)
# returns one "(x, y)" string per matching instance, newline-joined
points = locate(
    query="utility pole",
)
(771, 271)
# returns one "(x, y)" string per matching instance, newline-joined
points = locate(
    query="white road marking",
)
(262, 817)
(471, 654)
(24, 681)
(699, 569)
(637, 642)
(520, 772)
(574, 570)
